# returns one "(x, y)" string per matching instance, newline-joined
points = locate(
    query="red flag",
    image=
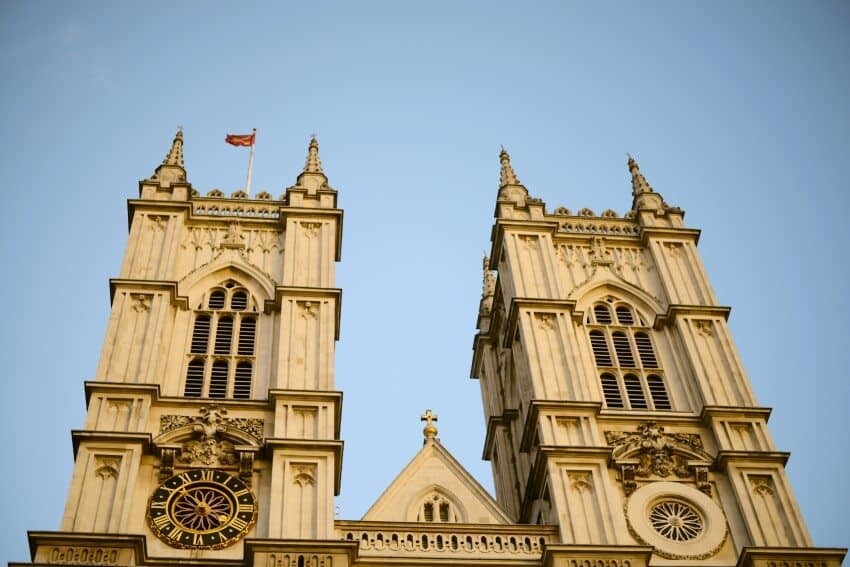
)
(240, 139)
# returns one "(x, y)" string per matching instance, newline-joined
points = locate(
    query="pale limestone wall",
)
(534, 341)
(103, 481)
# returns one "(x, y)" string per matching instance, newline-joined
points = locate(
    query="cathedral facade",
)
(621, 426)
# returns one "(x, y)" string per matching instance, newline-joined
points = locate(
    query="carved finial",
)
(175, 155)
(430, 430)
(507, 176)
(639, 183)
(171, 169)
(314, 164)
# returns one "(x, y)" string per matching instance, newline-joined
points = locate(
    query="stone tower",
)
(617, 407)
(621, 426)
(215, 387)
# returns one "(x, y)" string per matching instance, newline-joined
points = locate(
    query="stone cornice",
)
(607, 555)
(566, 305)
(648, 232)
(710, 413)
(334, 397)
(179, 301)
(311, 446)
(566, 408)
(677, 309)
(155, 205)
(80, 435)
(497, 235)
(92, 386)
(725, 458)
(493, 423)
(282, 291)
(295, 547)
(767, 556)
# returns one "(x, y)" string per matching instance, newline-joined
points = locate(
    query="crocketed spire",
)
(639, 183)
(171, 169)
(510, 188)
(507, 176)
(313, 164)
(175, 155)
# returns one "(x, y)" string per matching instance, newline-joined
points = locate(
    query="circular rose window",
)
(676, 520)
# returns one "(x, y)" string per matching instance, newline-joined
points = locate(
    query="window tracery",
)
(221, 349)
(435, 508)
(621, 342)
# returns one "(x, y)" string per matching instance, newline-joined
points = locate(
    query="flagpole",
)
(250, 163)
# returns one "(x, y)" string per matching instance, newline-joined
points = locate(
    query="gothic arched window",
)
(437, 509)
(622, 348)
(221, 349)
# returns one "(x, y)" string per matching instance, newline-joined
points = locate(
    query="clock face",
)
(202, 509)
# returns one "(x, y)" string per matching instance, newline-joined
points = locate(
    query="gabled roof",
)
(433, 470)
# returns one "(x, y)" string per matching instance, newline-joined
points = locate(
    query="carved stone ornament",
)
(652, 452)
(213, 420)
(208, 451)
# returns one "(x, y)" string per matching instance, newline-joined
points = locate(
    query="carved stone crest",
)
(652, 452)
(212, 420)
(214, 439)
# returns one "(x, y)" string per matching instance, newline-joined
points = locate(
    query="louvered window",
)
(222, 345)
(624, 349)
(217, 299)
(201, 335)
(600, 349)
(644, 347)
(242, 381)
(603, 314)
(218, 379)
(658, 392)
(611, 391)
(239, 301)
(624, 315)
(247, 330)
(634, 391)
(194, 379)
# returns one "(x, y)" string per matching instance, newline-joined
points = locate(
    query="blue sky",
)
(737, 112)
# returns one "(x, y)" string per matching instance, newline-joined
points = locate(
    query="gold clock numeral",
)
(239, 493)
(198, 540)
(161, 521)
(239, 524)
(158, 504)
(207, 475)
(176, 533)
(249, 508)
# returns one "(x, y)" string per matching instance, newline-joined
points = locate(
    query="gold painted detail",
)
(85, 556)
(202, 509)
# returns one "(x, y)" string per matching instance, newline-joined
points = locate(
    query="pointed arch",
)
(618, 318)
(594, 290)
(199, 281)
(227, 305)
(444, 505)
